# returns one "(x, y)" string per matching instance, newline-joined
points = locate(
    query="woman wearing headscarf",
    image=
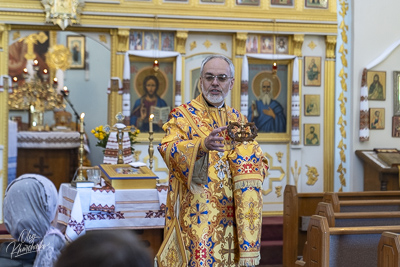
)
(30, 206)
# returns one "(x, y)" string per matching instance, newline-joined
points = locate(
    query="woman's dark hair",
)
(109, 248)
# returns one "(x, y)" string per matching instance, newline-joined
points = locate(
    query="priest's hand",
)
(214, 141)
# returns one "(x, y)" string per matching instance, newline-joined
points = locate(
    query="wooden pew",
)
(348, 219)
(389, 250)
(296, 205)
(343, 246)
(361, 205)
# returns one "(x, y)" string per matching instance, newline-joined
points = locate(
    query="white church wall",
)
(375, 28)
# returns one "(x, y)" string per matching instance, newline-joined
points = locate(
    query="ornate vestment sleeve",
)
(180, 148)
(264, 161)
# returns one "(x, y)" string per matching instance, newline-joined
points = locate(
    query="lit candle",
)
(44, 71)
(151, 123)
(25, 70)
(35, 62)
(156, 65)
(65, 91)
(55, 81)
(82, 117)
(15, 82)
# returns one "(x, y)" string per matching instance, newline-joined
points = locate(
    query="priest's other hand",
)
(214, 141)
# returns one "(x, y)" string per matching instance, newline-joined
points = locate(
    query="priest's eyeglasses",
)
(221, 78)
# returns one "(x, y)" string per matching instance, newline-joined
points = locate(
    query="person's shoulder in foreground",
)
(108, 248)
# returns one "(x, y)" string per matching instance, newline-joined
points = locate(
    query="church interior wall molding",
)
(193, 15)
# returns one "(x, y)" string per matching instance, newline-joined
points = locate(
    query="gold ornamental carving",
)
(241, 38)
(58, 57)
(123, 40)
(330, 42)
(63, 12)
(181, 37)
(279, 155)
(312, 174)
(278, 191)
(3, 28)
(193, 45)
(312, 45)
(103, 38)
(298, 40)
(30, 41)
(296, 173)
(224, 46)
(343, 76)
(207, 44)
(16, 35)
(273, 170)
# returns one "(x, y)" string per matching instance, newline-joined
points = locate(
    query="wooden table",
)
(377, 174)
(51, 154)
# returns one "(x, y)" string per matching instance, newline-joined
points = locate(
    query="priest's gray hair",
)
(231, 66)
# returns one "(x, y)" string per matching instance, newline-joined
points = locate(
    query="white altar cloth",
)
(134, 209)
(49, 140)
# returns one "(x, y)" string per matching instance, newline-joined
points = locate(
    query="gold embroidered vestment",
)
(206, 212)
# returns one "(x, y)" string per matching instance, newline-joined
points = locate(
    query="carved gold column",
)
(298, 40)
(239, 89)
(181, 37)
(329, 113)
(4, 31)
(119, 45)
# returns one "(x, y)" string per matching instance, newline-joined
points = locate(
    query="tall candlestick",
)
(151, 123)
(80, 178)
(82, 118)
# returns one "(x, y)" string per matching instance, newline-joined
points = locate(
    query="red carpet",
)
(271, 241)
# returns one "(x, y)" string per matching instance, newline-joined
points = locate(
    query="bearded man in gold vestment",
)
(201, 191)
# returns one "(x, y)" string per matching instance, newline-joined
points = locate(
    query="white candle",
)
(82, 117)
(151, 123)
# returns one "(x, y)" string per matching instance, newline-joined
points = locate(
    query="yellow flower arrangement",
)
(102, 134)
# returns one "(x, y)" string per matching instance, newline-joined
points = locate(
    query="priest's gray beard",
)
(214, 99)
(266, 97)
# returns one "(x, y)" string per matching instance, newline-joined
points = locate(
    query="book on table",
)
(390, 158)
(160, 113)
(84, 184)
